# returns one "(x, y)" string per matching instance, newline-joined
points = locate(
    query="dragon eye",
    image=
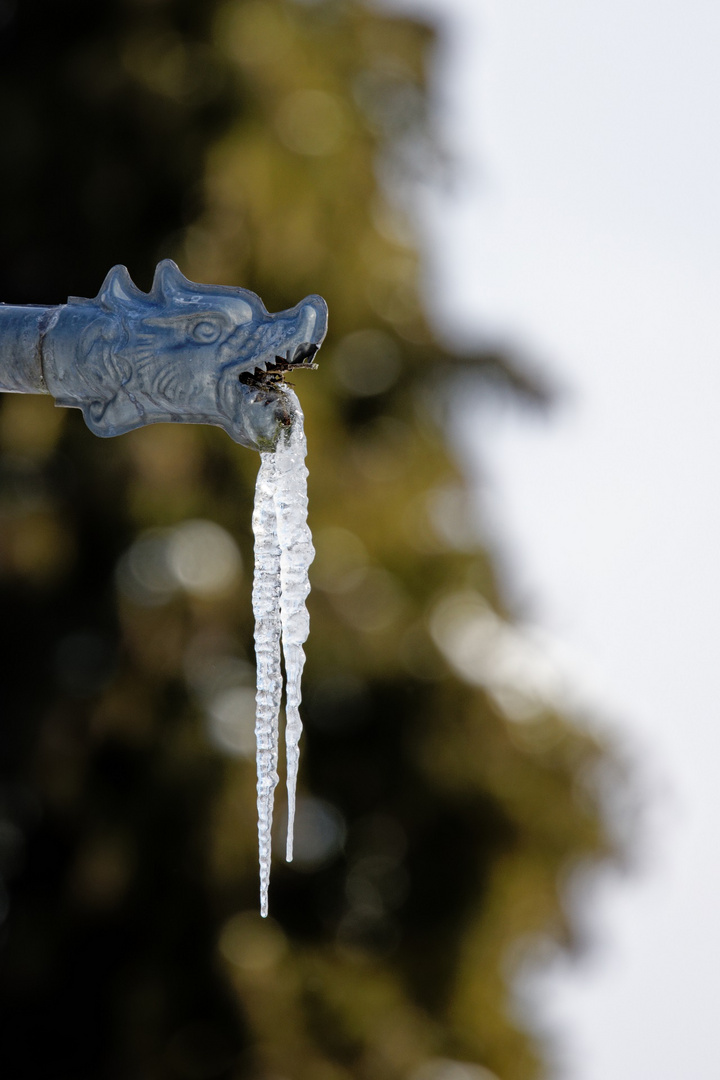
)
(206, 331)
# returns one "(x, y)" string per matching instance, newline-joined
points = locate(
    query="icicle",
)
(266, 608)
(283, 553)
(296, 554)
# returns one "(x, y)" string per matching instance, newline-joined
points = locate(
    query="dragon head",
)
(184, 352)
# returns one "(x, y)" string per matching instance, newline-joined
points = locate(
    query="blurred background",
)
(457, 798)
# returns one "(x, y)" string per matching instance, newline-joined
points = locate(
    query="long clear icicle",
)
(283, 553)
(266, 609)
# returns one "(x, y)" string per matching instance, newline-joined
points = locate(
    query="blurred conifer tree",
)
(273, 144)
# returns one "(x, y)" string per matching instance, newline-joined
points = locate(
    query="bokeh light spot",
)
(199, 557)
(252, 943)
(320, 833)
(231, 721)
(203, 558)
(143, 575)
(509, 661)
(367, 362)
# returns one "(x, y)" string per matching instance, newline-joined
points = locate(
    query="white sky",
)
(586, 229)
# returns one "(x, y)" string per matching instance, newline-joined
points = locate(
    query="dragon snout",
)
(309, 327)
(293, 338)
(254, 396)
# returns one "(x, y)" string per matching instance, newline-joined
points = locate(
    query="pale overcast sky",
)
(586, 228)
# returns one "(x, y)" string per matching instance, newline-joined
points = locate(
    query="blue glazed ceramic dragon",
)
(184, 352)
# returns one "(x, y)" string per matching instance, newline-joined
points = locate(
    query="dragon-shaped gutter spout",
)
(200, 354)
(184, 352)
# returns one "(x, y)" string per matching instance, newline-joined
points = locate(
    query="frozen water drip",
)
(283, 554)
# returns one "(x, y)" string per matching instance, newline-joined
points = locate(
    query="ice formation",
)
(283, 553)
